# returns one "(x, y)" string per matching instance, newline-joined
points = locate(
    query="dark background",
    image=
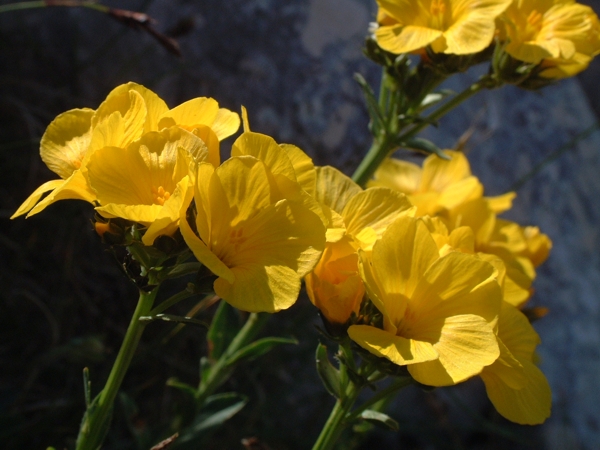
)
(65, 305)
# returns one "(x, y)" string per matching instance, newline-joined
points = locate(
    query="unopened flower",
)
(355, 220)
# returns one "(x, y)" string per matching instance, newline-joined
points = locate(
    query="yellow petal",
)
(132, 109)
(264, 148)
(529, 405)
(374, 208)
(397, 349)
(461, 191)
(466, 344)
(439, 174)
(260, 288)
(403, 39)
(35, 197)
(188, 115)
(400, 175)
(155, 106)
(225, 124)
(306, 174)
(66, 141)
(75, 187)
(501, 203)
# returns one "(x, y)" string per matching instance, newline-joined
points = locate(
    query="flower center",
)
(237, 237)
(534, 23)
(159, 195)
(437, 9)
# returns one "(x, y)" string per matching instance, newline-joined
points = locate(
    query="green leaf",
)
(218, 409)
(205, 367)
(183, 387)
(330, 376)
(87, 387)
(379, 418)
(184, 269)
(424, 145)
(224, 327)
(372, 105)
(258, 348)
(434, 98)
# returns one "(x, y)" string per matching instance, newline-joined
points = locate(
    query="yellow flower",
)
(449, 26)
(146, 181)
(438, 186)
(438, 312)
(538, 245)
(255, 226)
(562, 35)
(355, 220)
(128, 112)
(516, 387)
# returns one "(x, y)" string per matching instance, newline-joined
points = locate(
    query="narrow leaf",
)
(372, 105)
(172, 318)
(330, 376)
(224, 327)
(87, 387)
(424, 145)
(218, 409)
(258, 348)
(183, 387)
(379, 418)
(434, 98)
(184, 269)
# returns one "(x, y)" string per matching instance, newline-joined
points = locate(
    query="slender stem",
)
(97, 417)
(45, 3)
(396, 386)
(220, 372)
(383, 146)
(336, 422)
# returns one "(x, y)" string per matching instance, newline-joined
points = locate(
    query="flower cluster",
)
(559, 37)
(447, 277)
(248, 219)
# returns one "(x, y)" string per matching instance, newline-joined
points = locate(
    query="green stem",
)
(336, 422)
(382, 147)
(97, 417)
(45, 3)
(396, 386)
(220, 372)
(171, 301)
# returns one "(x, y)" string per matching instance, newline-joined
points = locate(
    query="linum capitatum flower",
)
(356, 218)
(449, 26)
(562, 35)
(439, 185)
(252, 226)
(514, 384)
(129, 111)
(438, 312)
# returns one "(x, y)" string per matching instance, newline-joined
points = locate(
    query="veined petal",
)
(144, 214)
(333, 191)
(466, 344)
(132, 108)
(75, 187)
(66, 141)
(403, 255)
(188, 115)
(403, 39)
(529, 405)
(226, 123)
(397, 349)
(306, 174)
(258, 288)
(461, 191)
(264, 148)
(375, 208)
(396, 174)
(439, 174)
(155, 106)
(285, 234)
(508, 368)
(35, 197)
(201, 251)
